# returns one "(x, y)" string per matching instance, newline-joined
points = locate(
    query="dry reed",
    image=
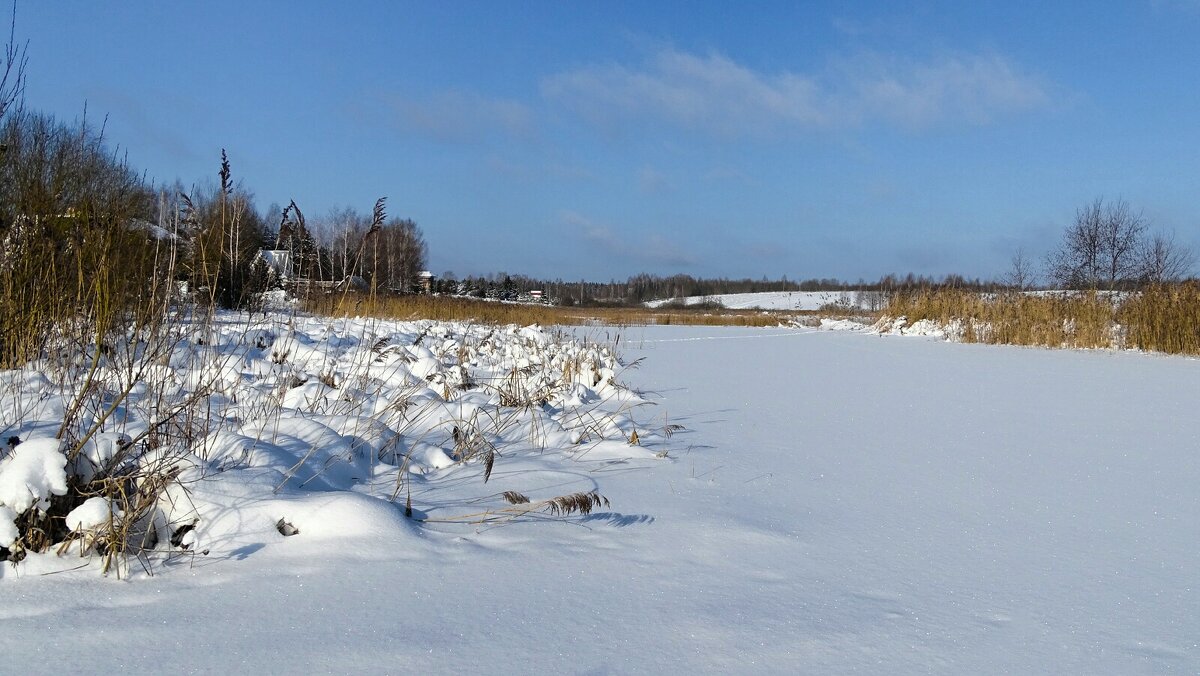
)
(1162, 318)
(452, 308)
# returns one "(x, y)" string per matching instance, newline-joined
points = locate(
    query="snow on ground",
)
(771, 300)
(899, 326)
(309, 423)
(815, 300)
(837, 502)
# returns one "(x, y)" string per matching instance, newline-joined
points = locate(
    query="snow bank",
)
(8, 527)
(34, 471)
(828, 324)
(840, 504)
(773, 300)
(334, 426)
(94, 512)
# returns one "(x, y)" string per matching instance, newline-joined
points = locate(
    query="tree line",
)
(646, 287)
(64, 192)
(87, 240)
(1108, 246)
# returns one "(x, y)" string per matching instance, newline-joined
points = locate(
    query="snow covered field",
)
(770, 300)
(837, 502)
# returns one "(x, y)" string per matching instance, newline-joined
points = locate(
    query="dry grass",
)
(445, 308)
(520, 506)
(1164, 318)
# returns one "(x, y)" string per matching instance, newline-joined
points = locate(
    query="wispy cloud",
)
(727, 174)
(457, 116)
(155, 134)
(652, 181)
(1176, 5)
(710, 92)
(714, 93)
(975, 89)
(650, 248)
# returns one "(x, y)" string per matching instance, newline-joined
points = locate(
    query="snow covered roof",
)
(153, 230)
(278, 260)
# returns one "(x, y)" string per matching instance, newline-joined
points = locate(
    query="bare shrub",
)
(1161, 259)
(1109, 247)
(77, 254)
(1021, 275)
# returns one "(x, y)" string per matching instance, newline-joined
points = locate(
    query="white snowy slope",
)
(771, 300)
(838, 503)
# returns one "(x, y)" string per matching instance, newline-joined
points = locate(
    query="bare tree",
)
(1021, 275)
(1100, 249)
(400, 252)
(12, 81)
(222, 233)
(1121, 237)
(340, 234)
(1161, 259)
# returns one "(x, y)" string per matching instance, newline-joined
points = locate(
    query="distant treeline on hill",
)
(645, 287)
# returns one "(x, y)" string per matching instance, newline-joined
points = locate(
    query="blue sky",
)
(597, 140)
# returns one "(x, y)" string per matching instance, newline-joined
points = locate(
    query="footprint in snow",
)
(994, 619)
(1156, 650)
(888, 604)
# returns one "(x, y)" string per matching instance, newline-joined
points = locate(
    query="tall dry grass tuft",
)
(1080, 320)
(70, 265)
(520, 506)
(89, 296)
(1162, 318)
(452, 308)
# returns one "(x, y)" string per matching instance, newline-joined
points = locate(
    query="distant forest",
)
(645, 287)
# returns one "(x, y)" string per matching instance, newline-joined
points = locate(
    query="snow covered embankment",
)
(1113, 337)
(242, 434)
(772, 300)
(899, 326)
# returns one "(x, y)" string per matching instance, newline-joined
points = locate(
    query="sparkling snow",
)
(836, 502)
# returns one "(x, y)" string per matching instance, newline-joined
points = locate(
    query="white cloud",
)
(975, 89)
(718, 95)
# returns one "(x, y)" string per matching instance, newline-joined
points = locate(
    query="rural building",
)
(425, 281)
(278, 262)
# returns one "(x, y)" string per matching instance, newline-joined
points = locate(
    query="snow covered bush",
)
(33, 473)
(71, 264)
(206, 435)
